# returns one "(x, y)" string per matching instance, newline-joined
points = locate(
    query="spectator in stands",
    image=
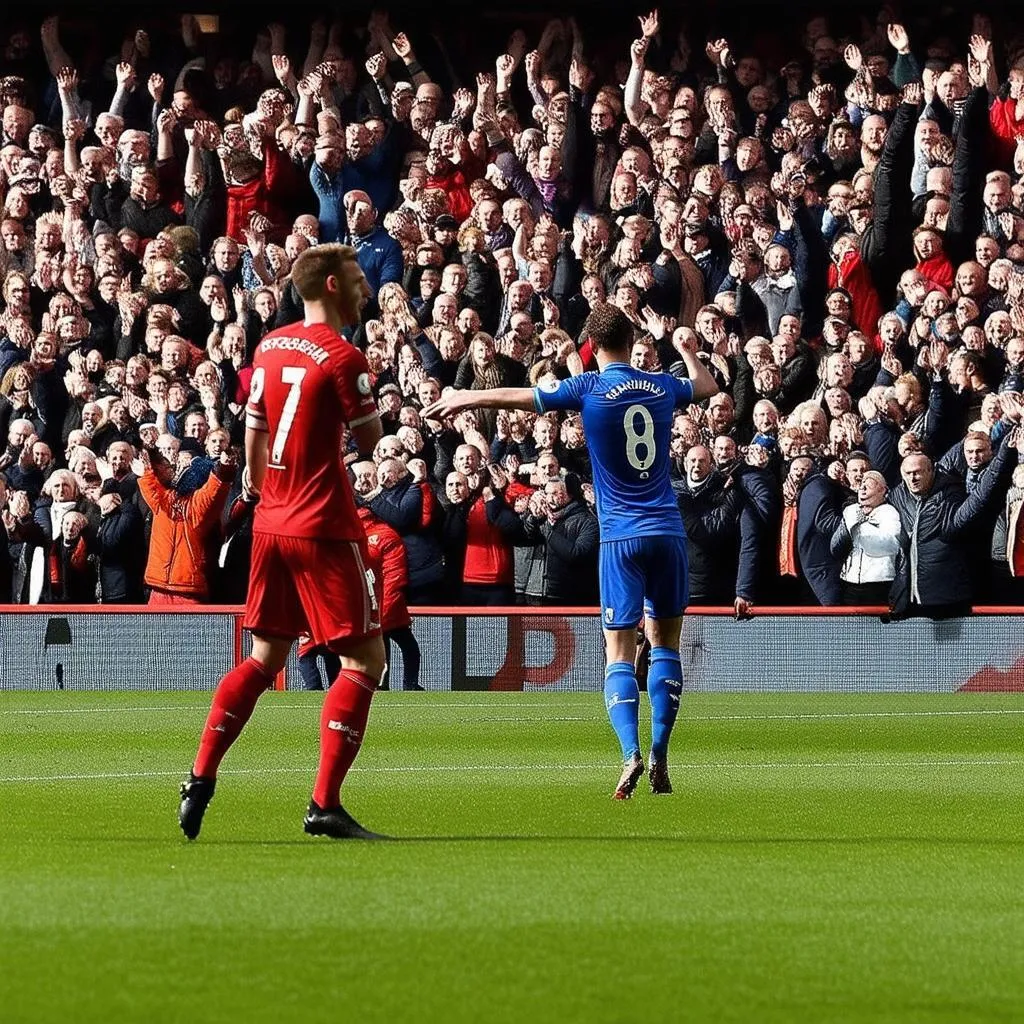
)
(410, 509)
(934, 512)
(178, 570)
(568, 538)
(847, 255)
(819, 513)
(480, 531)
(711, 514)
(868, 539)
(120, 544)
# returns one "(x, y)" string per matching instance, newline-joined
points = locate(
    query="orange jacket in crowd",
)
(182, 525)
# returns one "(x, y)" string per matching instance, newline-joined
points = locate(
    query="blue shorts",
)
(642, 576)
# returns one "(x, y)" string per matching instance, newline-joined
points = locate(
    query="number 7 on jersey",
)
(292, 376)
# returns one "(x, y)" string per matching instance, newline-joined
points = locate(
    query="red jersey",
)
(307, 383)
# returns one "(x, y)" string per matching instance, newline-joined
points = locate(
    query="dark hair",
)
(608, 328)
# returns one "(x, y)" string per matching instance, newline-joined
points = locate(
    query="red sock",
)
(233, 704)
(342, 724)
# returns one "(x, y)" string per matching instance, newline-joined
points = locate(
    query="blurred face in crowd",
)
(360, 213)
(467, 459)
(226, 255)
(977, 452)
(119, 456)
(697, 465)
(856, 467)
(364, 478)
(212, 289)
(456, 488)
(217, 442)
(871, 491)
(724, 451)
(917, 472)
(721, 413)
(997, 196)
(766, 418)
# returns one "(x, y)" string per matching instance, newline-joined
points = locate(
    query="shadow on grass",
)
(685, 840)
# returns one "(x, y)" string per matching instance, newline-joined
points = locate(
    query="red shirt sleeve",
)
(255, 408)
(352, 382)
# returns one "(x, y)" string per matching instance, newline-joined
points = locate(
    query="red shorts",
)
(318, 587)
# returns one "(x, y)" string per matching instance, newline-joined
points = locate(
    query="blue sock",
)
(622, 699)
(664, 687)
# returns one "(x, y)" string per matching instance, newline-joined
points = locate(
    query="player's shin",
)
(664, 688)
(342, 724)
(233, 704)
(622, 699)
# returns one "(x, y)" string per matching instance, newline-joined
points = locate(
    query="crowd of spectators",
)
(838, 224)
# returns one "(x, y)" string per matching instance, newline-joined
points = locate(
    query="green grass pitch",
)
(824, 858)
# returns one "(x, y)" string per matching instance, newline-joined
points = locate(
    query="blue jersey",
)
(627, 421)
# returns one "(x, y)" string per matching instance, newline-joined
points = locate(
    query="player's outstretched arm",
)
(453, 402)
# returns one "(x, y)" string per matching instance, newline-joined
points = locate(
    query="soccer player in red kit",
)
(309, 566)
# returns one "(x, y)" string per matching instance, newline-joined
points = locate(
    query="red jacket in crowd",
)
(489, 557)
(261, 195)
(1006, 127)
(387, 560)
(853, 275)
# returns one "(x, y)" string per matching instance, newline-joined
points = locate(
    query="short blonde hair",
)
(312, 268)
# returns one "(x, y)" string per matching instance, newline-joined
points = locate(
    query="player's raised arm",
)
(684, 341)
(451, 403)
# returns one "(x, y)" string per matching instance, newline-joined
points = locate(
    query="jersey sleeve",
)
(566, 395)
(682, 391)
(352, 381)
(255, 408)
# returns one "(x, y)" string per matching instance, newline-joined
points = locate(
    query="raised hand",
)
(74, 129)
(913, 93)
(785, 216)
(890, 363)
(505, 65)
(715, 49)
(533, 62)
(938, 353)
(282, 67)
(401, 45)
(463, 103)
(898, 38)
(853, 57)
(981, 49)
(125, 75)
(976, 72)
(155, 85)
(167, 121)
(649, 24)
(376, 66)
(638, 51)
(684, 341)
(67, 79)
(312, 85)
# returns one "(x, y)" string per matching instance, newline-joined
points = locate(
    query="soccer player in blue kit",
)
(627, 421)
